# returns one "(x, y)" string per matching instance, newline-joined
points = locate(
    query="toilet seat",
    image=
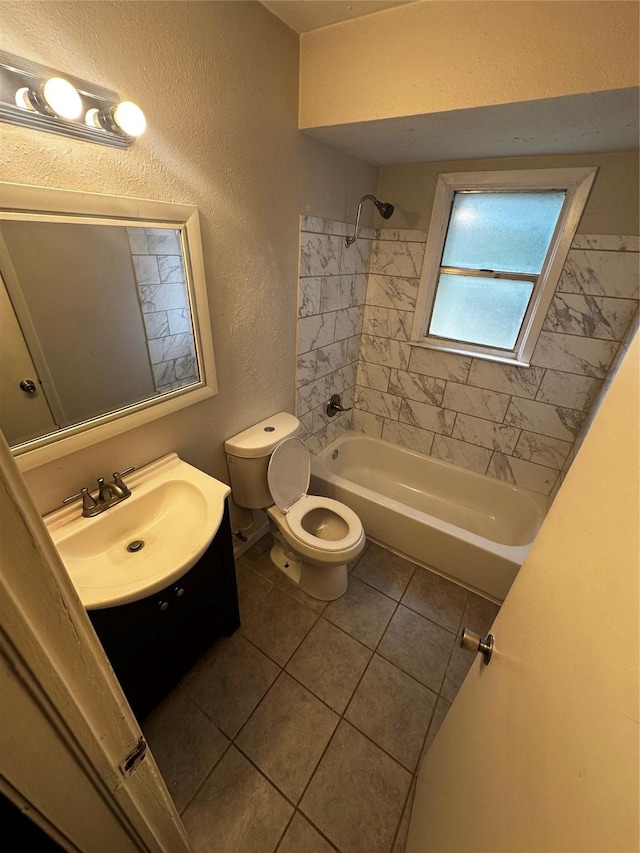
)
(303, 507)
(288, 475)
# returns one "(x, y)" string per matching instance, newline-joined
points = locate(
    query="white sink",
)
(174, 509)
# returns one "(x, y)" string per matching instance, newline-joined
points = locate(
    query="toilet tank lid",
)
(260, 439)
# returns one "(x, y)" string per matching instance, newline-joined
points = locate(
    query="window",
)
(496, 247)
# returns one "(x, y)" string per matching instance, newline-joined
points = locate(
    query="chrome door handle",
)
(28, 386)
(473, 643)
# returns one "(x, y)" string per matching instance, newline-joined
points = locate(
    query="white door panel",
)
(539, 752)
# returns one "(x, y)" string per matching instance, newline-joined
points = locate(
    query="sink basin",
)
(175, 510)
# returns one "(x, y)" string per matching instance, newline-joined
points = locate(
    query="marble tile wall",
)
(331, 296)
(622, 351)
(516, 424)
(164, 301)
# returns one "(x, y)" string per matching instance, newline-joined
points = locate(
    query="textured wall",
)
(218, 84)
(613, 203)
(440, 56)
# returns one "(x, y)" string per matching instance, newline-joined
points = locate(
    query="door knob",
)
(473, 643)
(28, 386)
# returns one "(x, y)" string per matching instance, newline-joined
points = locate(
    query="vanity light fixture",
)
(32, 95)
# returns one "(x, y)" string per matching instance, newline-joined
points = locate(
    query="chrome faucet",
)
(334, 406)
(109, 494)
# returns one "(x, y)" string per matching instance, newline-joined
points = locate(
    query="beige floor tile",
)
(362, 612)
(330, 663)
(459, 665)
(280, 580)
(442, 708)
(400, 842)
(419, 647)
(252, 587)
(436, 598)
(393, 709)
(479, 614)
(287, 734)
(357, 794)
(277, 625)
(237, 810)
(385, 571)
(185, 744)
(301, 837)
(230, 681)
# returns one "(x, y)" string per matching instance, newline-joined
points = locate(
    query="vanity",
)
(152, 643)
(155, 571)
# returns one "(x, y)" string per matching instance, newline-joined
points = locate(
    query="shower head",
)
(384, 208)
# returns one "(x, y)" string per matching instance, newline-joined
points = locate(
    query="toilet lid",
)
(289, 472)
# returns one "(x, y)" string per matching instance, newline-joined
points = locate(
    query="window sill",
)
(513, 360)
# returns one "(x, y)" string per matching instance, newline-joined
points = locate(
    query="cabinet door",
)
(198, 602)
(205, 601)
(140, 642)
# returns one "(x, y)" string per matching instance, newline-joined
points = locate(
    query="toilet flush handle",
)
(334, 406)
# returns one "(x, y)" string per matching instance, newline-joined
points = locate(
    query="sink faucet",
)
(109, 494)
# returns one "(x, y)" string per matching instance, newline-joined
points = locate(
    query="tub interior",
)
(490, 508)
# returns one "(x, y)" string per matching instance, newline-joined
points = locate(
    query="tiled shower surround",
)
(513, 423)
(162, 291)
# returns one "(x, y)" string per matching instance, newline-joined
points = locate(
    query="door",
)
(24, 414)
(539, 752)
(67, 734)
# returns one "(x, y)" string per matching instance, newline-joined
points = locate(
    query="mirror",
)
(103, 317)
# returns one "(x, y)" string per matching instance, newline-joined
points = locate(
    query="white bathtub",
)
(472, 528)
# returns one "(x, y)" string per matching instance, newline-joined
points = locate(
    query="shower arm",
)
(349, 240)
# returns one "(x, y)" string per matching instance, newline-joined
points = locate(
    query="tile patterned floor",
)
(303, 732)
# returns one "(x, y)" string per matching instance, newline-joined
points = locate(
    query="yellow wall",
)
(219, 84)
(440, 55)
(613, 206)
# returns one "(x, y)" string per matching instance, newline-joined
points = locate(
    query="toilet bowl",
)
(314, 537)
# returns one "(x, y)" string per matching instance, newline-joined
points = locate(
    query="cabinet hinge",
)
(134, 758)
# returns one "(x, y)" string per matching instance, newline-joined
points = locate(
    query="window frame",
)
(576, 183)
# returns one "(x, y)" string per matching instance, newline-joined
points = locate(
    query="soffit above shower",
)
(302, 16)
(573, 124)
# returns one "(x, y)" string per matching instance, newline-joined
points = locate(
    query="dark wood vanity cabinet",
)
(152, 643)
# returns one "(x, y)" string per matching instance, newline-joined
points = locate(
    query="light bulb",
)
(22, 98)
(62, 98)
(91, 118)
(129, 118)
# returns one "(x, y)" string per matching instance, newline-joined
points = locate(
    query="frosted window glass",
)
(478, 310)
(501, 231)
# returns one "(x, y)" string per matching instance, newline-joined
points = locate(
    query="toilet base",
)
(326, 583)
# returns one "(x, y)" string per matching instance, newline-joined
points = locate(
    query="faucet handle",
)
(122, 473)
(117, 479)
(103, 490)
(88, 502)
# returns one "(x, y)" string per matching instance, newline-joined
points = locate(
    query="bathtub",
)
(471, 528)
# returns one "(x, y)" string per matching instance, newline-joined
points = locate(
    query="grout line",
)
(341, 716)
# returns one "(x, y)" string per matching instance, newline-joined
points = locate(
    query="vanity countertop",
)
(174, 510)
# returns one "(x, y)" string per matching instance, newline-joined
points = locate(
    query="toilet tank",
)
(248, 455)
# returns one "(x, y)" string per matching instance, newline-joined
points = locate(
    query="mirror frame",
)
(22, 201)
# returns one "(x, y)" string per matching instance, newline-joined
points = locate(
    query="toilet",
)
(314, 537)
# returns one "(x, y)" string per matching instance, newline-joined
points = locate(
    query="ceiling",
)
(574, 124)
(306, 15)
